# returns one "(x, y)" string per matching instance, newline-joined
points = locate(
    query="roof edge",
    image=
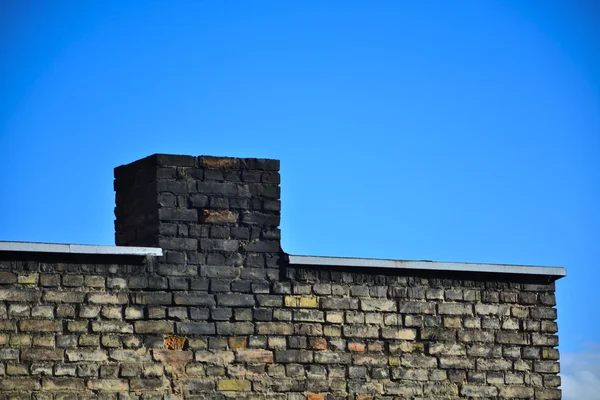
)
(556, 272)
(36, 247)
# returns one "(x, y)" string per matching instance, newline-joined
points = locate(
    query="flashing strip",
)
(557, 272)
(31, 247)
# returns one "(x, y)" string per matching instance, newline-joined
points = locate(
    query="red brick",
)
(238, 342)
(317, 343)
(358, 347)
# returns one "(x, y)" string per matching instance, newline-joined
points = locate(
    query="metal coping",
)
(557, 272)
(32, 247)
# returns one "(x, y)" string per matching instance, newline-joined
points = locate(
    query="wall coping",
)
(34, 247)
(295, 260)
(556, 272)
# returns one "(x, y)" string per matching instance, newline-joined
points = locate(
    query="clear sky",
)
(437, 130)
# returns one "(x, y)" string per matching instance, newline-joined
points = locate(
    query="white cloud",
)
(580, 374)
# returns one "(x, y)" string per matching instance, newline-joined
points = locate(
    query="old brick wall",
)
(222, 313)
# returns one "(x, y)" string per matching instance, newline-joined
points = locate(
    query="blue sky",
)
(451, 131)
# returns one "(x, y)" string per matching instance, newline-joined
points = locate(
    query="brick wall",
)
(223, 314)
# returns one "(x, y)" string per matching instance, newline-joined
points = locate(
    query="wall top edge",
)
(556, 272)
(35, 247)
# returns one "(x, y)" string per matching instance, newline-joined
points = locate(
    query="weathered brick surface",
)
(220, 315)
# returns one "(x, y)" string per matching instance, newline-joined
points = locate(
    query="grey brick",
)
(235, 300)
(196, 328)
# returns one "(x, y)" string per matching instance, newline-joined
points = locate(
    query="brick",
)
(40, 325)
(77, 326)
(235, 300)
(228, 245)
(63, 384)
(493, 365)
(130, 356)
(111, 341)
(215, 357)
(116, 283)
(107, 298)
(238, 342)
(9, 354)
(456, 363)
(516, 392)
(517, 338)
(19, 310)
(492, 309)
(196, 328)
(154, 327)
(19, 295)
(550, 367)
(206, 300)
(14, 369)
(274, 328)
(235, 329)
(157, 312)
(308, 315)
(377, 360)
(95, 281)
(548, 394)
(218, 217)
(236, 385)
(8, 325)
(301, 301)
(446, 349)
(108, 385)
(112, 312)
(377, 305)
(543, 313)
(416, 307)
(263, 219)
(362, 331)
(72, 280)
(134, 313)
(254, 356)
(317, 343)
(42, 355)
(416, 360)
(398, 334)
(27, 279)
(112, 326)
(405, 389)
(294, 356)
(479, 391)
(308, 329)
(154, 385)
(332, 331)
(475, 336)
(269, 300)
(86, 355)
(49, 280)
(42, 312)
(64, 297)
(171, 357)
(20, 340)
(550, 354)
(182, 215)
(332, 303)
(356, 347)
(455, 309)
(7, 278)
(544, 340)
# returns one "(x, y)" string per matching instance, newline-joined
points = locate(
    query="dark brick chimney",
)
(212, 216)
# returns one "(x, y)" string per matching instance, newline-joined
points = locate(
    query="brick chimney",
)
(213, 216)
